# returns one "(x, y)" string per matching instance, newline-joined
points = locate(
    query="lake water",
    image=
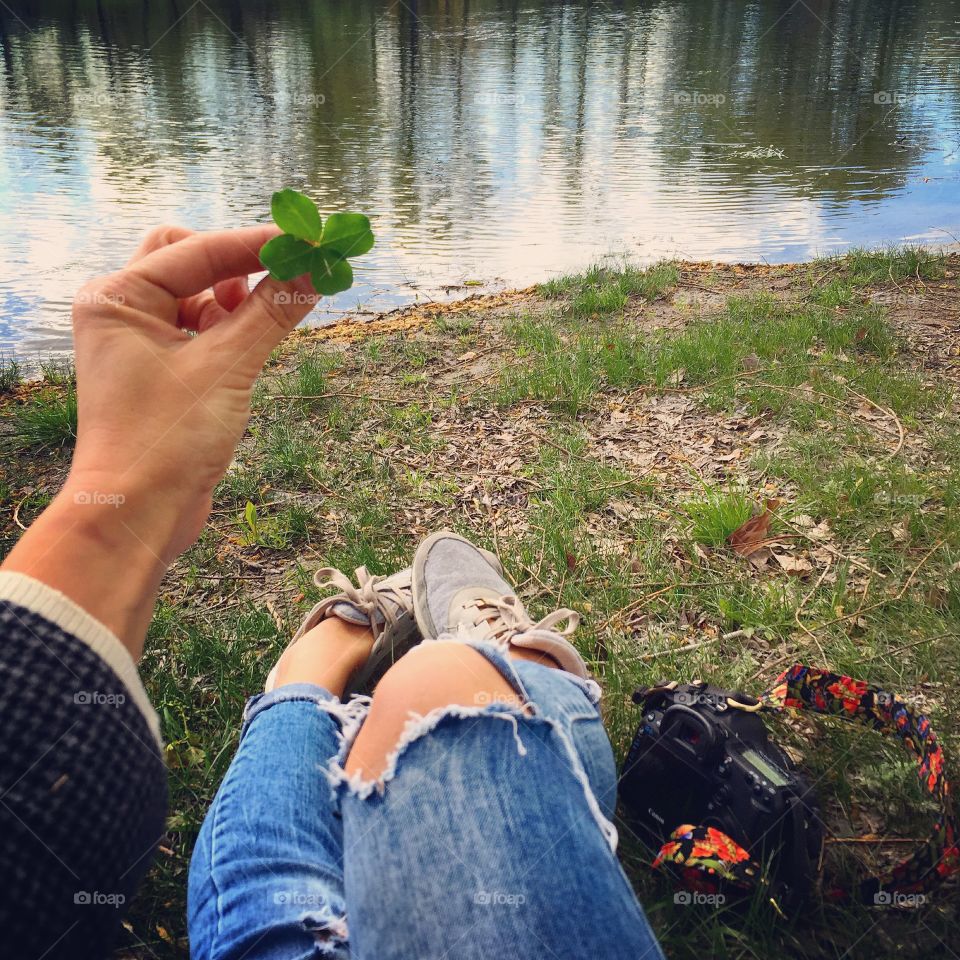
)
(494, 142)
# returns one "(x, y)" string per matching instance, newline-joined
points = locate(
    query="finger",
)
(271, 311)
(231, 293)
(159, 237)
(204, 259)
(200, 312)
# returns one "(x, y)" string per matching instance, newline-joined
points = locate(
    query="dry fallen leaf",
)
(760, 557)
(750, 537)
(795, 566)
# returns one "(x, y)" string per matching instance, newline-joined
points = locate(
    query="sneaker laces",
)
(502, 620)
(367, 596)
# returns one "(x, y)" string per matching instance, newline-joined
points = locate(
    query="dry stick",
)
(827, 396)
(558, 446)
(865, 594)
(835, 551)
(796, 617)
(493, 521)
(874, 840)
(889, 413)
(697, 286)
(803, 603)
(908, 646)
(695, 645)
(334, 396)
(898, 596)
(743, 374)
(816, 393)
(823, 276)
(16, 513)
(653, 388)
(636, 604)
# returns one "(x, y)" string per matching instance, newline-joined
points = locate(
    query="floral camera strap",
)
(706, 858)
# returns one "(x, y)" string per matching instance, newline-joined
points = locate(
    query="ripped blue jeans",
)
(488, 836)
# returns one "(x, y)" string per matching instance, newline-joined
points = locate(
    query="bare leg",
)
(429, 676)
(326, 656)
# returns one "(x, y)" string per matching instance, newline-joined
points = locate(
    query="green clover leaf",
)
(308, 245)
(347, 234)
(329, 274)
(287, 257)
(296, 214)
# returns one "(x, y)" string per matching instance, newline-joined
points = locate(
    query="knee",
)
(430, 676)
(434, 675)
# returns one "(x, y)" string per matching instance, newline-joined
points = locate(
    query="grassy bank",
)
(605, 433)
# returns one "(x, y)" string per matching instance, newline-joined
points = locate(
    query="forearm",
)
(106, 551)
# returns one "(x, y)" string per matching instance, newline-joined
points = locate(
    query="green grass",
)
(716, 514)
(11, 373)
(351, 482)
(895, 263)
(313, 374)
(58, 373)
(603, 290)
(47, 420)
(758, 348)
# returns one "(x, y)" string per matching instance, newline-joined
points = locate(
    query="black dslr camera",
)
(703, 756)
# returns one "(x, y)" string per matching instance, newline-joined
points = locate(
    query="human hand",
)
(161, 411)
(160, 415)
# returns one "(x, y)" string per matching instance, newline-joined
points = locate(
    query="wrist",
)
(132, 513)
(106, 550)
(117, 517)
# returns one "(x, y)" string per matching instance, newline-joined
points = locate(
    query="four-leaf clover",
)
(308, 245)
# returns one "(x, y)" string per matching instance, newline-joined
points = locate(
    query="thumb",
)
(264, 318)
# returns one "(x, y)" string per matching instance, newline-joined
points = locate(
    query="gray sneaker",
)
(457, 590)
(383, 603)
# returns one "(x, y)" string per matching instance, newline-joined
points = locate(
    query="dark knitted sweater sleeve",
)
(82, 793)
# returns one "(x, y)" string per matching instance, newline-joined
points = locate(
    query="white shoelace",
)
(504, 619)
(367, 596)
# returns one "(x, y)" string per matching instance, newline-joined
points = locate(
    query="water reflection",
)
(489, 140)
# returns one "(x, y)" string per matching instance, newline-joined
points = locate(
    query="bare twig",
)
(897, 596)
(910, 646)
(889, 413)
(337, 395)
(696, 644)
(16, 513)
(803, 603)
